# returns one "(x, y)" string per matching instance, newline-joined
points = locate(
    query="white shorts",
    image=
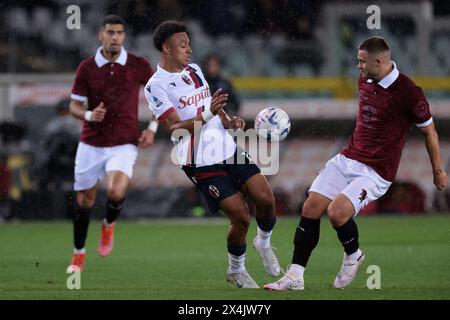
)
(92, 163)
(359, 182)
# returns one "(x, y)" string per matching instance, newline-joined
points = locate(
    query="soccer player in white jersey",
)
(179, 96)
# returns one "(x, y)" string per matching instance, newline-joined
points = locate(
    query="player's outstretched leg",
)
(258, 189)
(305, 240)
(237, 211)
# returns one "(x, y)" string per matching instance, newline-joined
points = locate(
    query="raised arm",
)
(173, 122)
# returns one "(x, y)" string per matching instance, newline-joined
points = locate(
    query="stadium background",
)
(298, 55)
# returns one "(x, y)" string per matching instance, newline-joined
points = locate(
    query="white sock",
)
(354, 256)
(106, 224)
(79, 251)
(263, 238)
(237, 263)
(297, 270)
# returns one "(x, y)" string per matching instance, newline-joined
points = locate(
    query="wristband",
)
(153, 126)
(88, 116)
(207, 115)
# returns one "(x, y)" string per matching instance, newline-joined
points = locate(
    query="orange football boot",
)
(106, 242)
(77, 263)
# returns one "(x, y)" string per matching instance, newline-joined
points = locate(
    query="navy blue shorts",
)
(221, 180)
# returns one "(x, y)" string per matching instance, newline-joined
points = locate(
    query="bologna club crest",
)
(213, 191)
(186, 79)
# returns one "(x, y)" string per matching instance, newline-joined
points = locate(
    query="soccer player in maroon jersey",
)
(109, 83)
(389, 103)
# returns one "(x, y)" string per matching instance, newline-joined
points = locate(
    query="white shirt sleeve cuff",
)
(78, 98)
(425, 124)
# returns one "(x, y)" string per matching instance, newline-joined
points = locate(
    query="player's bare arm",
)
(148, 135)
(78, 111)
(440, 177)
(173, 122)
(146, 139)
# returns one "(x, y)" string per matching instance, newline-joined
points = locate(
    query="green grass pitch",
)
(187, 259)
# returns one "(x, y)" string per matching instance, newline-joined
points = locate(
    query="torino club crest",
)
(363, 195)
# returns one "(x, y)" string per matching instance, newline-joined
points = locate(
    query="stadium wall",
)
(321, 127)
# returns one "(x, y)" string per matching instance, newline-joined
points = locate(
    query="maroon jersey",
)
(117, 85)
(386, 111)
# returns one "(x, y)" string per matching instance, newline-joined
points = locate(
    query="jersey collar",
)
(167, 73)
(162, 70)
(100, 60)
(390, 78)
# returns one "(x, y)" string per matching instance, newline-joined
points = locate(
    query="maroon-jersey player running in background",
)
(109, 83)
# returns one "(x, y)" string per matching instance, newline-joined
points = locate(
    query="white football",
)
(272, 124)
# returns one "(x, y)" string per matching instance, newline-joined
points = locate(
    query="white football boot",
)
(289, 281)
(348, 272)
(269, 259)
(242, 280)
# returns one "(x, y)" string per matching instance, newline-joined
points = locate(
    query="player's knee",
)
(312, 209)
(116, 194)
(337, 214)
(266, 205)
(242, 222)
(85, 201)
